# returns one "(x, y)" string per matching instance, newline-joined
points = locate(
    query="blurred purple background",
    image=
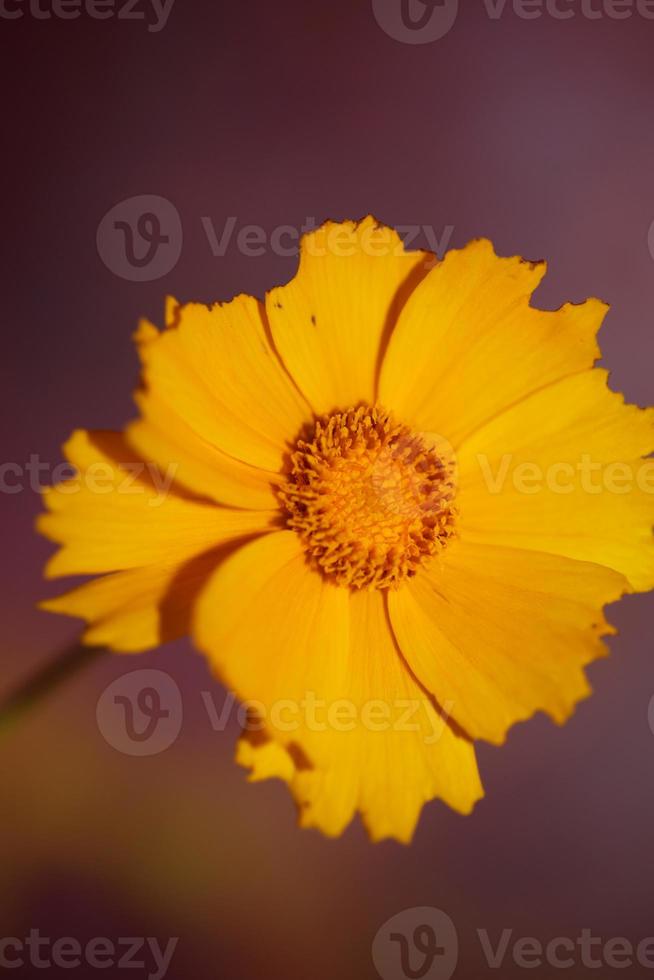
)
(535, 132)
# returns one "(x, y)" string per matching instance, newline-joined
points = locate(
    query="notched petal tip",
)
(516, 266)
(173, 309)
(145, 333)
(78, 439)
(367, 235)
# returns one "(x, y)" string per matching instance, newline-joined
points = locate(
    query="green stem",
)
(46, 680)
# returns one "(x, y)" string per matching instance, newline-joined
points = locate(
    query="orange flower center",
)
(370, 499)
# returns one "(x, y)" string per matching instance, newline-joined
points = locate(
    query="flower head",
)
(391, 525)
(370, 499)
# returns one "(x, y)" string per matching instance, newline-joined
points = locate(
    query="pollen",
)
(371, 499)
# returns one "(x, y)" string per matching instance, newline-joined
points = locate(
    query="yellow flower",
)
(402, 496)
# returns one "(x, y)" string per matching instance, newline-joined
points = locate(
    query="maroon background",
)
(536, 133)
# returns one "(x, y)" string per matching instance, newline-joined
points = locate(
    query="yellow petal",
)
(161, 435)
(497, 634)
(217, 370)
(265, 758)
(468, 344)
(563, 472)
(119, 513)
(332, 321)
(322, 668)
(139, 608)
(401, 755)
(276, 633)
